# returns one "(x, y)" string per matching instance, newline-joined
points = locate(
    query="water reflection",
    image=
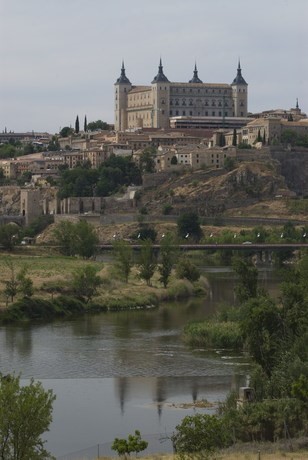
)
(19, 339)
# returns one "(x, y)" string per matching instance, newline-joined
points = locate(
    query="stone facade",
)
(271, 129)
(153, 106)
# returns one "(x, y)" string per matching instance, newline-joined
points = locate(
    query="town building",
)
(269, 129)
(198, 104)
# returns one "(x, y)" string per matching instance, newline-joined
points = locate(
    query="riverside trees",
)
(76, 239)
(275, 332)
(25, 414)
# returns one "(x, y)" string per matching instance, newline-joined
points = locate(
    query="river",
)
(117, 372)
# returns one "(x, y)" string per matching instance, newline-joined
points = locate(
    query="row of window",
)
(178, 90)
(198, 102)
(198, 114)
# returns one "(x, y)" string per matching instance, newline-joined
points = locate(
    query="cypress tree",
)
(85, 128)
(234, 139)
(77, 125)
(259, 138)
(264, 139)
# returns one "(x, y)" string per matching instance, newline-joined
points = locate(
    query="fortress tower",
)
(239, 91)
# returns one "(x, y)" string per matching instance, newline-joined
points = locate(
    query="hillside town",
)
(176, 141)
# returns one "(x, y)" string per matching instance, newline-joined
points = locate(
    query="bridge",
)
(19, 220)
(214, 246)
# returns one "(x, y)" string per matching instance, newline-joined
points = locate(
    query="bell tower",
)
(122, 87)
(160, 97)
(239, 94)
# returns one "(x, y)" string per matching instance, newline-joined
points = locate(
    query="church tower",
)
(122, 87)
(160, 97)
(239, 94)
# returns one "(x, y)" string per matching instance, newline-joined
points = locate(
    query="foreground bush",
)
(201, 433)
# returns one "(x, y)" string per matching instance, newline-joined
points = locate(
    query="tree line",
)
(275, 334)
(114, 173)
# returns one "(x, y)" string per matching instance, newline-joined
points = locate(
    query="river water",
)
(113, 373)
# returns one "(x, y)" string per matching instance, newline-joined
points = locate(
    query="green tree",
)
(24, 179)
(259, 137)
(28, 148)
(53, 145)
(262, 327)
(98, 125)
(85, 125)
(247, 285)
(188, 225)
(25, 283)
(11, 285)
(86, 239)
(76, 239)
(66, 131)
(134, 443)
(145, 232)
(147, 161)
(174, 160)
(186, 269)
(147, 261)
(289, 137)
(200, 433)
(86, 282)
(124, 257)
(9, 236)
(64, 234)
(168, 257)
(264, 138)
(234, 138)
(25, 415)
(229, 163)
(8, 151)
(77, 125)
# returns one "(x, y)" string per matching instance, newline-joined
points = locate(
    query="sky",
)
(61, 58)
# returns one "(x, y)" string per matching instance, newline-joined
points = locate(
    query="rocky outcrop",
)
(294, 168)
(210, 195)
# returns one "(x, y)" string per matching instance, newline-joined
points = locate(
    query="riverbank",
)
(295, 449)
(53, 295)
(236, 456)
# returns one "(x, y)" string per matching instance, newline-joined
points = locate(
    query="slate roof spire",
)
(123, 78)
(160, 77)
(239, 80)
(195, 78)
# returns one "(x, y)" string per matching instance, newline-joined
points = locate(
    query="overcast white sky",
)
(60, 58)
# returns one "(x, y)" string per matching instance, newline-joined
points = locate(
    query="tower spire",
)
(123, 78)
(195, 78)
(160, 77)
(239, 80)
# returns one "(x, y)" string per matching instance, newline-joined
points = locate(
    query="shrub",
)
(167, 208)
(211, 334)
(200, 433)
(186, 269)
(133, 443)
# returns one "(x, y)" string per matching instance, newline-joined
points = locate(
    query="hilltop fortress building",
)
(192, 104)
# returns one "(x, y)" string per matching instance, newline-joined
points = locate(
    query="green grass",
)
(53, 295)
(212, 334)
